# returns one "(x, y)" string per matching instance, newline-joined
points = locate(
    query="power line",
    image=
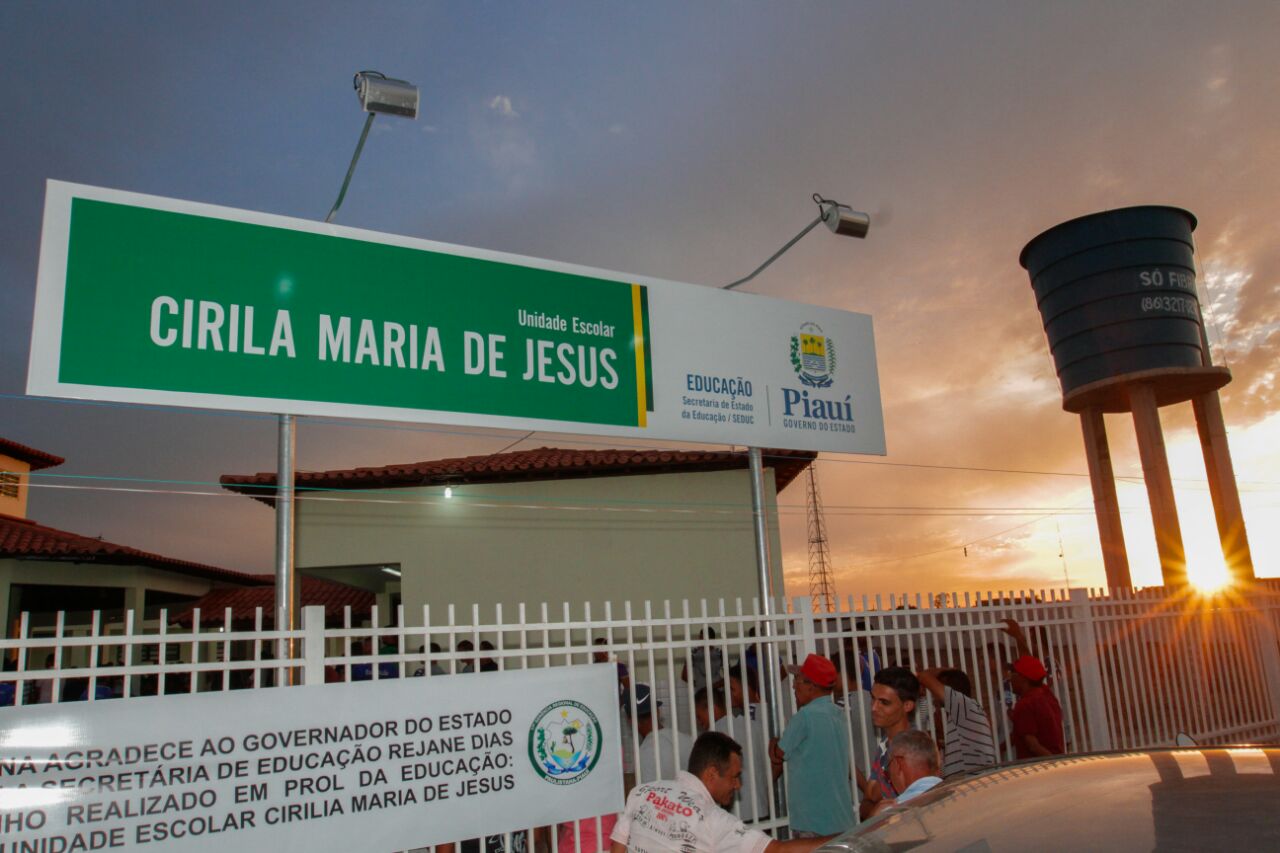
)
(620, 443)
(323, 490)
(578, 503)
(950, 547)
(1127, 478)
(358, 496)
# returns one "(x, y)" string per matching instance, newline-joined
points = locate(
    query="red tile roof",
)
(36, 458)
(24, 539)
(244, 602)
(545, 463)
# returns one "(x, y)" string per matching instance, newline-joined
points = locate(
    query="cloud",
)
(501, 104)
(978, 132)
(509, 148)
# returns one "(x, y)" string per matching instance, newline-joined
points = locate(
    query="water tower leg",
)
(1155, 471)
(1105, 504)
(1222, 486)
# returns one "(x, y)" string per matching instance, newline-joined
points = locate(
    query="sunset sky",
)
(683, 141)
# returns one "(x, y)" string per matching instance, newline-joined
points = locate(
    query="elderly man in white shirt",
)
(687, 814)
(914, 766)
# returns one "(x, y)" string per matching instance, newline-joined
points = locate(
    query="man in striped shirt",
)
(967, 741)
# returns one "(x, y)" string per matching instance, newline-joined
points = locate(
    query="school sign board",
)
(150, 300)
(378, 766)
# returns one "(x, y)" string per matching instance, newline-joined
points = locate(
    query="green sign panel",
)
(173, 301)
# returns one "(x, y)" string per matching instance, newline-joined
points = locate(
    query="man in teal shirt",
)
(816, 747)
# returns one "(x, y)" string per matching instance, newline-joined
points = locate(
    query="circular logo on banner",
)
(564, 742)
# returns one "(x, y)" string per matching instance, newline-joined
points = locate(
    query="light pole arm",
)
(776, 254)
(351, 170)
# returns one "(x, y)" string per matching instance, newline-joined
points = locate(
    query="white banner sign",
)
(151, 300)
(371, 766)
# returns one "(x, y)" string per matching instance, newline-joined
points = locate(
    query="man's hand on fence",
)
(1013, 629)
(930, 684)
(776, 757)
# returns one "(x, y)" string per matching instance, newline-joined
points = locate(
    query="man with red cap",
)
(1036, 716)
(816, 747)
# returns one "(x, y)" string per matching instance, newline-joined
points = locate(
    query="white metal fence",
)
(1130, 670)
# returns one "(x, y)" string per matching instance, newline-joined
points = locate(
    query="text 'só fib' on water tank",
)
(1117, 294)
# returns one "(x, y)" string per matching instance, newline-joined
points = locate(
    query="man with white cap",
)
(816, 747)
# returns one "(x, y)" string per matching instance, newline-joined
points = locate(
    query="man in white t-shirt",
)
(744, 692)
(687, 814)
(751, 735)
(662, 751)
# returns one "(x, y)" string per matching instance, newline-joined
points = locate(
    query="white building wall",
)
(655, 537)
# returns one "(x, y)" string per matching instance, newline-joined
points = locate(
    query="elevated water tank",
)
(1117, 295)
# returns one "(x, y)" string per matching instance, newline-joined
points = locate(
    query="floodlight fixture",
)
(845, 221)
(840, 218)
(378, 93)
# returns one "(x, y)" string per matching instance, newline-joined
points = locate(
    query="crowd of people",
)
(825, 783)
(838, 710)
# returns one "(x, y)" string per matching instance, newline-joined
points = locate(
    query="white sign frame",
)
(721, 370)
(43, 771)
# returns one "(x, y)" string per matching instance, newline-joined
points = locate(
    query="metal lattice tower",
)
(821, 588)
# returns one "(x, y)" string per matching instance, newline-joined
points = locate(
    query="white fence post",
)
(802, 607)
(313, 645)
(1086, 642)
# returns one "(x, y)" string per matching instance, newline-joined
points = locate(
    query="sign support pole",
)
(286, 613)
(286, 599)
(764, 565)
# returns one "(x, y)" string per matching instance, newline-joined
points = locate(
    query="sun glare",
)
(1208, 577)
